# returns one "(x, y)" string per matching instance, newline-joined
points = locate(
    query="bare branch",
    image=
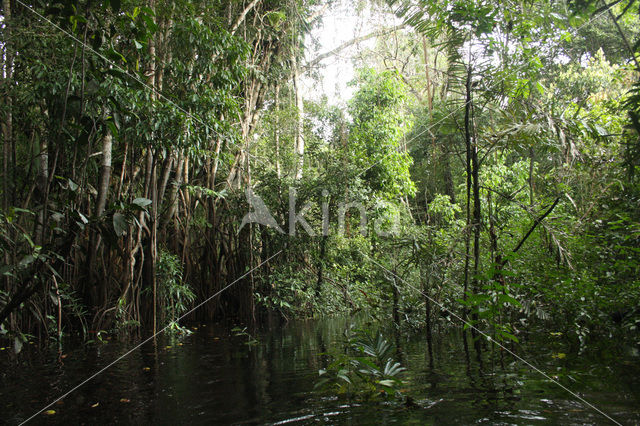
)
(349, 43)
(242, 16)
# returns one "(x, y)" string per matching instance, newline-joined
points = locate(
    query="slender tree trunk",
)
(476, 218)
(105, 173)
(167, 167)
(97, 280)
(427, 312)
(299, 140)
(531, 185)
(467, 137)
(396, 300)
(43, 181)
(153, 188)
(323, 250)
(154, 245)
(427, 72)
(174, 189)
(7, 123)
(7, 135)
(276, 130)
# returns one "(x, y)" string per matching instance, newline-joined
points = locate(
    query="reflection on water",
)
(214, 377)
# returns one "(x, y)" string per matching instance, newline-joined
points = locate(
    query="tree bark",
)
(173, 191)
(276, 130)
(105, 173)
(299, 103)
(427, 75)
(242, 16)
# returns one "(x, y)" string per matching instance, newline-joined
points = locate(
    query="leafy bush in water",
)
(366, 368)
(175, 295)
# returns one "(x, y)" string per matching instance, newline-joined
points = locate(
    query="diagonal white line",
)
(147, 340)
(126, 72)
(518, 357)
(172, 102)
(415, 137)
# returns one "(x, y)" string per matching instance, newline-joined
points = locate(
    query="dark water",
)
(213, 377)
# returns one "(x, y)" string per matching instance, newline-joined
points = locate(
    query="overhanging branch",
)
(312, 63)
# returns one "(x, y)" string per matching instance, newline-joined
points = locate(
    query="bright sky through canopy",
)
(340, 23)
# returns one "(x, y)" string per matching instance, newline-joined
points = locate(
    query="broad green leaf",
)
(142, 202)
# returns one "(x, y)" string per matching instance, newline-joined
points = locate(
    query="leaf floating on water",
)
(50, 412)
(556, 334)
(559, 355)
(146, 369)
(95, 405)
(125, 400)
(168, 347)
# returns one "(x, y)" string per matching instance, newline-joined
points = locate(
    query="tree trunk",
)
(7, 135)
(531, 186)
(276, 130)
(7, 123)
(153, 188)
(396, 300)
(43, 181)
(173, 191)
(427, 72)
(299, 139)
(427, 312)
(467, 138)
(476, 216)
(105, 173)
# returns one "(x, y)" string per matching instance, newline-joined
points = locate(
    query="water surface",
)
(213, 377)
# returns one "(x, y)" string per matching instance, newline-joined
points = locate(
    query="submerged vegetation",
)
(485, 173)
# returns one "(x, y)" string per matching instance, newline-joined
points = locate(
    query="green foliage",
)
(376, 133)
(365, 370)
(175, 295)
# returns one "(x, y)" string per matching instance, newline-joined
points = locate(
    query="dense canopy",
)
(169, 161)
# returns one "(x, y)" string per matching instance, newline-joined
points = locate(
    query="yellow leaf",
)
(125, 400)
(559, 355)
(146, 368)
(95, 405)
(50, 412)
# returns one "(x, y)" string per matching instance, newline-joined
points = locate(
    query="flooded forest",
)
(320, 211)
